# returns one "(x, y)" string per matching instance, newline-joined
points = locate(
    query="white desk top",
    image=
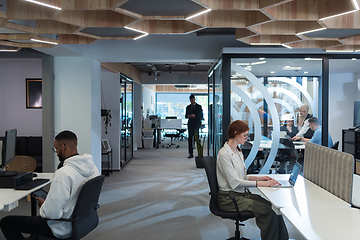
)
(9, 196)
(1, 207)
(303, 195)
(325, 223)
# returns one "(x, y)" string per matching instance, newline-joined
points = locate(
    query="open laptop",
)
(292, 179)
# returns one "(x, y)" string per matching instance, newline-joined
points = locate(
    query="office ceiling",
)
(265, 23)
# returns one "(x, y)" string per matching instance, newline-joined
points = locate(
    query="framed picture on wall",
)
(105, 145)
(33, 93)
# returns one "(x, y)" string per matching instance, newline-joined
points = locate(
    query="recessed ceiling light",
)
(243, 64)
(291, 68)
(314, 30)
(313, 59)
(257, 63)
(306, 72)
(272, 72)
(198, 14)
(354, 59)
(261, 58)
(42, 41)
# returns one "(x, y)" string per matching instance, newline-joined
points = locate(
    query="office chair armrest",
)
(62, 219)
(232, 199)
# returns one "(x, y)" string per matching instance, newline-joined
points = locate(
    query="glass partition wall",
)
(263, 93)
(126, 111)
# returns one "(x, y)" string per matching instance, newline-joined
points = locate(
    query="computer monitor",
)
(8, 148)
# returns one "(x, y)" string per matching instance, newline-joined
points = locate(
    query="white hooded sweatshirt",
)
(64, 191)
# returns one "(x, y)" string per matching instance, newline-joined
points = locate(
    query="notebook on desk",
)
(292, 179)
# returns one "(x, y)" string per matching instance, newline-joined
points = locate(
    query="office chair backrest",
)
(85, 210)
(209, 164)
(336, 145)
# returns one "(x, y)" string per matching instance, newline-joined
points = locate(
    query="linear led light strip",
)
(356, 5)
(42, 41)
(339, 50)
(133, 29)
(198, 14)
(8, 50)
(282, 44)
(314, 30)
(43, 4)
(315, 59)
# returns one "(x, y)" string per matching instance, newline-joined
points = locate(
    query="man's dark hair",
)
(314, 120)
(66, 135)
(192, 96)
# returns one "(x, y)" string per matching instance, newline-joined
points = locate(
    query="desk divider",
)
(330, 169)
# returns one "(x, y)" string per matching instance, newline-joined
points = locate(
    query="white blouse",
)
(231, 171)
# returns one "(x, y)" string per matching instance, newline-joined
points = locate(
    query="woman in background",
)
(303, 123)
(232, 178)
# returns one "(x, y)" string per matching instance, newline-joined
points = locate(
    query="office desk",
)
(325, 223)
(9, 197)
(304, 194)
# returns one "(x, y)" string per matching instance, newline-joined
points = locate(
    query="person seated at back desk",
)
(314, 125)
(288, 126)
(73, 171)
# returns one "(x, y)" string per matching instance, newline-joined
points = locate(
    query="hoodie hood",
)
(82, 163)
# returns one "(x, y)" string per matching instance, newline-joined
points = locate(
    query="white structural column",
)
(77, 102)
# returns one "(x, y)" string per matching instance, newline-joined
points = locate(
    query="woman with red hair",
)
(233, 180)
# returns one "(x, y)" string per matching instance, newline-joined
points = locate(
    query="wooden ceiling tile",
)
(314, 43)
(271, 39)
(20, 9)
(163, 27)
(15, 36)
(2, 14)
(10, 44)
(295, 10)
(271, 3)
(96, 18)
(91, 4)
(231, 4)
(230, 19)
(18, 27)
(329, 8)
(351, 20)
(54, 27)
(352, 40)
(74, 39)
(243, 33)
(123, 68)
(286, 27)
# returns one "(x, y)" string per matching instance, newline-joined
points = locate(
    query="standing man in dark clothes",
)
(194, 113)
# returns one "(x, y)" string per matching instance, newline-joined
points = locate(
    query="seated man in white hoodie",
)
(73, 171)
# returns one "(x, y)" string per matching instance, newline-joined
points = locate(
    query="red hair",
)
(236, 127)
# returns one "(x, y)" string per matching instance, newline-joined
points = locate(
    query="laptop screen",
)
(295, 172)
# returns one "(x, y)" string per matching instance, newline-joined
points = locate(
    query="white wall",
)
(110, 84)
(343, 93)
(77, 101)
(13, 112)
(149, 99)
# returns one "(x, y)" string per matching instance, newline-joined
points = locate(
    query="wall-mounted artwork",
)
(33, 93)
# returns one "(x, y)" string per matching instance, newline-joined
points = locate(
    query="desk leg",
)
(33, 206)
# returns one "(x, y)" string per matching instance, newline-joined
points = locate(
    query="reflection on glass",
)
(288, 91)
(126, 111)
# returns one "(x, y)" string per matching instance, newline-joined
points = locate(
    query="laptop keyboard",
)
(284, 183)
(32, 184)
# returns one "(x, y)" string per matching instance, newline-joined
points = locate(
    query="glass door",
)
(126, 111)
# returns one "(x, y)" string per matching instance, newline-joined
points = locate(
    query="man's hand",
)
(192, 115)
(296, 138)
(40, 201)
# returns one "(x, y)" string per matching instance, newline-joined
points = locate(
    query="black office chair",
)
(172, 134)
(284, 156)
(84, 218)
(336, 146)
(210, 168)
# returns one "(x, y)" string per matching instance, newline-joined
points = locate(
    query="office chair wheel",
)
(177, 146)
(167, 146)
